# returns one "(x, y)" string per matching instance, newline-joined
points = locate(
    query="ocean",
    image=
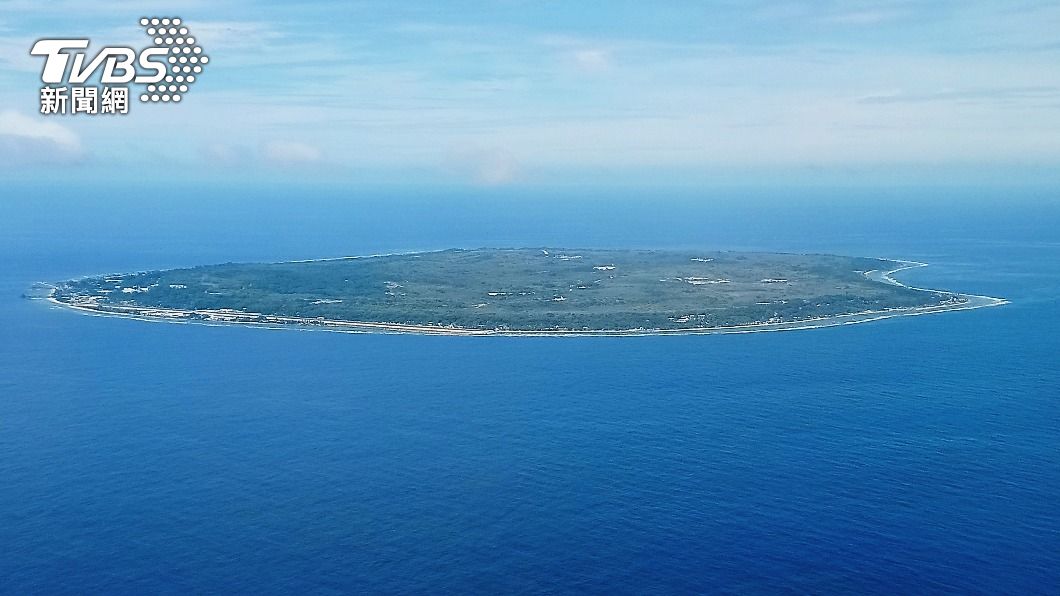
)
(910, 455)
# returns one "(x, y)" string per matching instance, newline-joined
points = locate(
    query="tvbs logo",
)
(166, 69)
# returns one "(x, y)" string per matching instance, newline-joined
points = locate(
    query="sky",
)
(517, 93)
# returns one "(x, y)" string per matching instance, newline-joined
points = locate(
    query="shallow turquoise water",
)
(910, 455)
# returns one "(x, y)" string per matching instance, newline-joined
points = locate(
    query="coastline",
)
(226, 317)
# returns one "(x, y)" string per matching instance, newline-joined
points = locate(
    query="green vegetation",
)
(522, 289)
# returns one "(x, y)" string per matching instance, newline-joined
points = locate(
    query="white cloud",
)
(864, 17)
(290, 153)
(224, 154)
(25, 139)
(592, 59)
(500, 167)
(271, 153)
(216, 35)
(486, 167)
(843, 14)
(14, 54)
(802, 88)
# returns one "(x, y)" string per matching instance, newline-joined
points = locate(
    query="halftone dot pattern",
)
(185, 57)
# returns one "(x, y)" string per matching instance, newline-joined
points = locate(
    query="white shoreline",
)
(232, 318)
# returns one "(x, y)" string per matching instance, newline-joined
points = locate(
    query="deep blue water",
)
(914, 455)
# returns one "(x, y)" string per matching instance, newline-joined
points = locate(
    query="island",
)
(524, 291)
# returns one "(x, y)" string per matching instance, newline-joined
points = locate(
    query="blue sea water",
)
(912, 455)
